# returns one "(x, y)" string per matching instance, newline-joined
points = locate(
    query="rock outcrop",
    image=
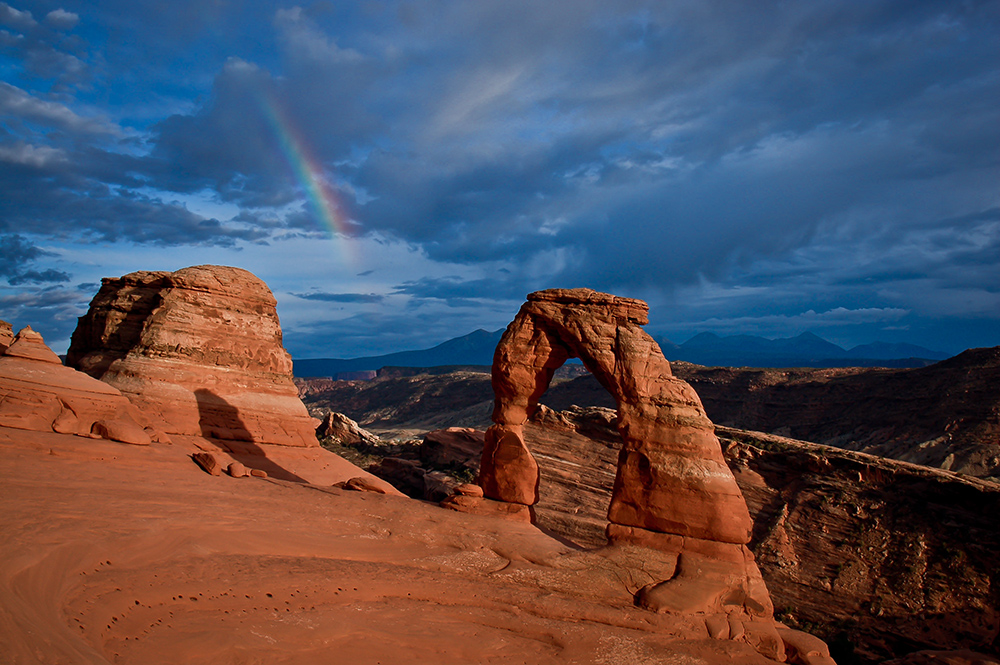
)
(6, 335)
(673, 491)
(41, 394)
(198, 351)
(343, 430)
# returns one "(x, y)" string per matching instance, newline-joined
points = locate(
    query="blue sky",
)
(401, 173)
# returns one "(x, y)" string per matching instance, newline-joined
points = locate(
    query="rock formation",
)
(6, 335)
(343, 430)
(198, 351)
(41, 394)
(673, 491)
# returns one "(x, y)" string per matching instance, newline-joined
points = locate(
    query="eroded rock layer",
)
(6, 335)
(42, 395)
(199, 351)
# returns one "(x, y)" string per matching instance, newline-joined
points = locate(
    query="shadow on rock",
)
(222, 425)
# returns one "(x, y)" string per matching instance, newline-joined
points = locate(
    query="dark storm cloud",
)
(458, 292)
(16, 253)
(39, 277)
(341, 297)
(52, 310)
(768, 159)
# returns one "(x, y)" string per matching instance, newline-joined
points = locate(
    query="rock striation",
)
(198, 351)
(6, 335)
(673, 491)
(41, 394)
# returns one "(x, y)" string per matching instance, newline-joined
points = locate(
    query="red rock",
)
(717, 626)
(122, 429)
(672, 476)
(469, 489)
(343, 430)
(479, 506)
(208, 462)
(237, 470)
(41, 394)
(361, 484)
(452, 447)
(673, 491)
(29, 345)
(258, 473)
(6, 336)
(804, 649)
(199, 351)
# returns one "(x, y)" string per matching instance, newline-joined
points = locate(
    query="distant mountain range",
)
(805, 350)
(476, 348)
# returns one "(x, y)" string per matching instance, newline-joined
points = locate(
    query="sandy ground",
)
(124, 554)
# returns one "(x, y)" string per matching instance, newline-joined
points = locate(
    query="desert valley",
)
(167, 498)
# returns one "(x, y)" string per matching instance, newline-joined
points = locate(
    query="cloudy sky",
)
(401, 173)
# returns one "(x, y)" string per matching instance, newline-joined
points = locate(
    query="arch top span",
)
(672, 477)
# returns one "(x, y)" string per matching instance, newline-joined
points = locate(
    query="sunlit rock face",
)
(41, 394)
(673, 492)
(199, 351)
(6, 335)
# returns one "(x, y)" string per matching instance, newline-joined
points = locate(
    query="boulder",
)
(455, 447)
(363, 484)
(41, 394)
(237, 470)
(208, 462)
(198, 351)
(123, 429)
(343, 430)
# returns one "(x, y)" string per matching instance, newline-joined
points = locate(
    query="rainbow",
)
(310, 175)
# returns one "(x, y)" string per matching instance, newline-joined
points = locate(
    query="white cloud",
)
(62, 19)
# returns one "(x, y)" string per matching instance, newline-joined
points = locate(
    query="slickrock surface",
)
(39, 393)
(199, 351)
(103, 562)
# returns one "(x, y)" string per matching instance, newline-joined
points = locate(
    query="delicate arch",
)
(672, 477)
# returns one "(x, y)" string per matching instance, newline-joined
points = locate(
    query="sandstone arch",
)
(672, 477)
(673, 491)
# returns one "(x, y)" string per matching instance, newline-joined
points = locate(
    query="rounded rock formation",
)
(41, 394)
(198, 351)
